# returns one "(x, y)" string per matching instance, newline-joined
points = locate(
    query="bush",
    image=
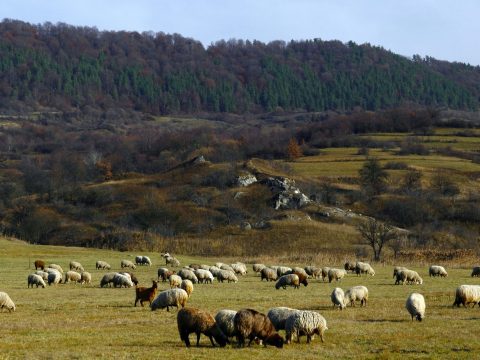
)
(396, 165)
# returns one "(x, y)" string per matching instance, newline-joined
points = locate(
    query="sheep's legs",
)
(198, 339)
(211, 340)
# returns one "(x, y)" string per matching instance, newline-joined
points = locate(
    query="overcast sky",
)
(444, 29)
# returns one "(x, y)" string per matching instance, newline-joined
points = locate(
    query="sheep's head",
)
(274, 340)
(419, 317)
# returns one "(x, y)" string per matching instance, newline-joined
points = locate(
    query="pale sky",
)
(445, 29)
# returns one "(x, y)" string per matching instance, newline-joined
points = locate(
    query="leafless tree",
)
(376, 234)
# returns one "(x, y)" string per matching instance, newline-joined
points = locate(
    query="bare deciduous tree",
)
(376, 235)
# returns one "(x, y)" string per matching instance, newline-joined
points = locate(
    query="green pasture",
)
(85, 322)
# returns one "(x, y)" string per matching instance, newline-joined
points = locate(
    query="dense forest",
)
(63, 67)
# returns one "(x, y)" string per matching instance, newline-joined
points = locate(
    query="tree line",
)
(66, 67)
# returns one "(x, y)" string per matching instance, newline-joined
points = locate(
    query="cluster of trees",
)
(65, 67)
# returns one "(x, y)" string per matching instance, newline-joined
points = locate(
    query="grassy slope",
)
(73, 321)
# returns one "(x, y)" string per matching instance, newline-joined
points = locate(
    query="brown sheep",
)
(251, 324)
(132, 277)
(200, 322)
(301, 277)
(146, 294)
(39, 264)
(350, 266)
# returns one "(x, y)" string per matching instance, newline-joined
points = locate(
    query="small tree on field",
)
(372, 177)
(293, 150)
(376, 235)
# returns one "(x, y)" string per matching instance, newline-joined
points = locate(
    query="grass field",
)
(83, 322)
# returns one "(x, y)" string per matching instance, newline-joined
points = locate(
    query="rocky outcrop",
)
(286, 194)
(245, 180)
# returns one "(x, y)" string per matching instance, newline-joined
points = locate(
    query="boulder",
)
(245, 180)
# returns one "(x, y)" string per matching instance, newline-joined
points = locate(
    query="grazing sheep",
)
(338, 298)
(214, 270)
(302, 277)
(325, 271)
(199, 322)
(75, 265)
(86, 277)
(56, 267)
(107, 279)
(224, 320)
(313, 271)
(6, 302)
(204, 267)
(169, 298)
(39, 264)
(396, 269)
(142, 260)
(306, 323)
(194, 266)
(475, 271)
(54, 277)
(298, 270)
(350, 266)
(226, 267)
(409, 277)
(34, 279)
(250, 324)
(416, 306)
(356, 293)
(268, 274)
(188, 274)
(131, 276)
(172, 261)
(258, 267)
(226, 275)
(122, 280)
(175, 281)
(279, 315)
(187, 285)
(164, 274)
(364, 268)
(437, 270)
(274, 267)
(239, 268)
(336, 274)
(127, 264)
(288, 280)
(102, 265)
(43, 274)
(219, 264)
(143, 293)
(72, 276)
(467, 294)
(283, 270)
(204, 276)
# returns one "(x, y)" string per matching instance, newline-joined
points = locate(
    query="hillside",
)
(61, 67)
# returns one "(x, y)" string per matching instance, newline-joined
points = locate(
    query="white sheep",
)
(175, 281)
(187, 285)
(336, 274)
(56, 267)
(224, 319)
(356, 293)
(226, 267)
(364, 268)
(75, 265)
(306, 323)
(107, 279)
(121, 280)
(268, 274)
(258, 267)
(338, 298)
(204, 276)
(313, 271)
(298, 270)
(42, 273)
(396, 269)
(416, 306)
(279, 315)
(288, 280)
(72, 276)
(143, 260)
(467, 294)
(188, 274)
(86, 277)
(102, 265)
(437, 270)
(239, 268)
(409, 277)
(6, 302)
(325, 271)
(34, 279)
(283, 270)
(226, 275)
(127, 263)
(204, 267)
(54, 277)
(168, 298)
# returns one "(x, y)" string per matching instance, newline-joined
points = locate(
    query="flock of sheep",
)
(245, 324)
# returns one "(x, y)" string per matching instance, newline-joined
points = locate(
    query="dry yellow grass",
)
(84, 322)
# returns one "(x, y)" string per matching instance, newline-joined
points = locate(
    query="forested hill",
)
(63, 67)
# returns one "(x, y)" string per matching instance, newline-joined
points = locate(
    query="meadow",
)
(84, 322)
